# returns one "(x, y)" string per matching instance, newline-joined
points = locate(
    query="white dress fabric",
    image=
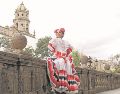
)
(60, 66)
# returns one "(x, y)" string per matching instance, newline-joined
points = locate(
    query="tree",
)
(116, 61)
(30, 50)
(76, 58)
(4, 42)
(42, 50)
(117, 56)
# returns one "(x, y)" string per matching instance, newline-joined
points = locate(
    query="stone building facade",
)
(21, 23)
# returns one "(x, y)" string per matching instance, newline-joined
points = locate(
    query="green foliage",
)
(41, 50)
(117, 56)
(117, 69)
(4, 42)
(30, 50)
(76, 58)
(42, 47)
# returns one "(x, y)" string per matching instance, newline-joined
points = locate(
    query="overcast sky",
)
(92, 26)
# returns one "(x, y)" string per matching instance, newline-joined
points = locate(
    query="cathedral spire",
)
(21, 21)
(21, 7)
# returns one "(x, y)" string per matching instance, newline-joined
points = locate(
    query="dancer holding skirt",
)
(61, 70)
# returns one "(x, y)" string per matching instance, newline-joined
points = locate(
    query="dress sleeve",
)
(51, 45)
(69, 49)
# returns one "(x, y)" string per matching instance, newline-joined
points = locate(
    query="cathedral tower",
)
(21, 21)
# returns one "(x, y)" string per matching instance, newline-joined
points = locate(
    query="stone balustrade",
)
(22, 74)
(93, 81)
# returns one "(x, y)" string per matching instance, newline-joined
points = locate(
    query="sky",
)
(92, 26)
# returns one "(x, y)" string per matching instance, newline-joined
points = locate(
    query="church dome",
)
(21, 7)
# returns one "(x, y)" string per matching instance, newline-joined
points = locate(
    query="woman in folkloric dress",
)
(61, 71)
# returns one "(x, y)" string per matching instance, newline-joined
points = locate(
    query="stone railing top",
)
(11, 58)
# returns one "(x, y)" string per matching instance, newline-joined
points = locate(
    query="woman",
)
(60, 66)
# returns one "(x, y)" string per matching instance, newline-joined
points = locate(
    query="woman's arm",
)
(69, 49)
(51, 45)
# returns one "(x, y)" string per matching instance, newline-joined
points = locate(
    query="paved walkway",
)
(116, 91)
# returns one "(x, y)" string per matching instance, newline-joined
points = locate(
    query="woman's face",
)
(59, 34)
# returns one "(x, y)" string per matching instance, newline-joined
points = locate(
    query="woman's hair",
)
(60, 30)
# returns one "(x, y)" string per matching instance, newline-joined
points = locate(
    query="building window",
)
(22, 14)
(18, 14)
(21, 24)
